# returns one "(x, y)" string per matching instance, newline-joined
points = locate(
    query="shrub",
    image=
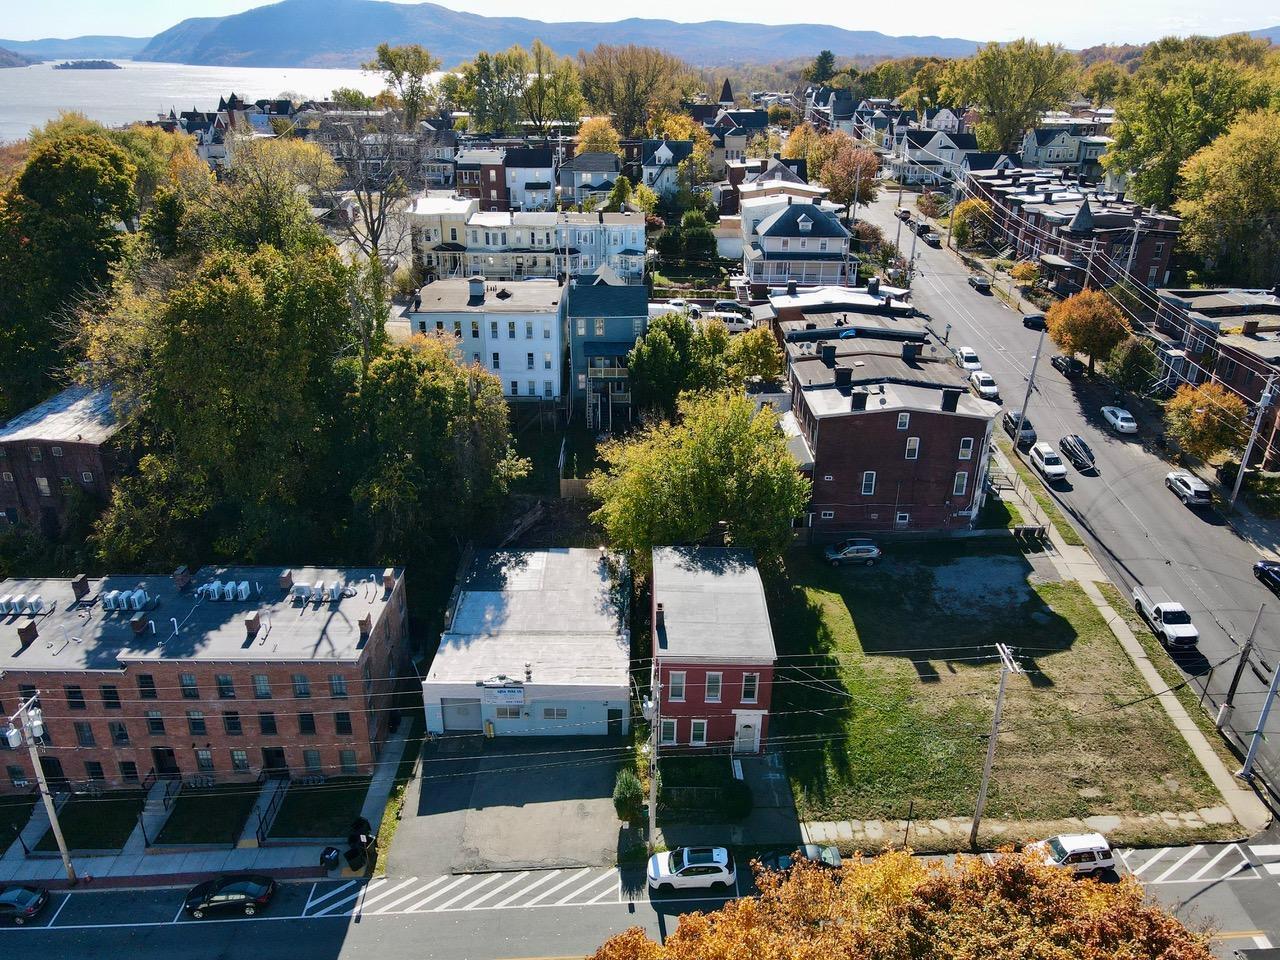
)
(628, 795)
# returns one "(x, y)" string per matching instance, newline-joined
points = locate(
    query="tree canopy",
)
(1207, 419)
(675, 355)
(850, 173)
(632, 83)
(406, 70)
(1089, 323)
(597, 135)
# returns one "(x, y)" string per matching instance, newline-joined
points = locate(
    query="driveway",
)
(514, 804)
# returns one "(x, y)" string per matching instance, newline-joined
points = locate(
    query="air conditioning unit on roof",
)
(301, 591)
(229, 590)
(18, 604)
(242, 591)
(109, 599)
(36, 604)
(138, 599)
(213, 590)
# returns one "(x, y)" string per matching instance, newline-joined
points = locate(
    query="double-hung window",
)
(913, 448)
(675, 686)
(715, 683)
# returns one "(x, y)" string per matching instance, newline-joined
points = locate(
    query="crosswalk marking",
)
(1185, 857)
(537, 883)
(388, 907)
(607, 875)
(497, 890)
(1265, 849)
(617, 889)
(466, 893)
(364, 904)
(1272, 868)
(1158, 855)
(444, 889)
(332, 893)
(373, 885)
(1210, 865)
(562, 883)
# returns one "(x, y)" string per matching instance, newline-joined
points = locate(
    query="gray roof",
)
(680, 150)
(605, 300)
(76, 415)
(500, 296)
(786, 222)
(713, 606)
(593, 162)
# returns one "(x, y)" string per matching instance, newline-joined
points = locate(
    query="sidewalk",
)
(384, 777)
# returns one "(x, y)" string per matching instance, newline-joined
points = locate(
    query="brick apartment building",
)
(482, 174)
(713, 651)
(228, 674)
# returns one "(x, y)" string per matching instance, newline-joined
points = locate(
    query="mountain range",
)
(77, 48)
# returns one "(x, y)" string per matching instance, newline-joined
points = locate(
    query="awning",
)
(1053, 260)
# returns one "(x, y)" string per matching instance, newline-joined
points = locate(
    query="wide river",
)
(31, 95)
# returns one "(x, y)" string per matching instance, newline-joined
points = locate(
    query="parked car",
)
(1085, 853)
(980, 283)
(784, 860)
(1268, 572)
(932, 239)
(902, 213)
(21, 905)
(231, 893)
(1033, 320)
(684, 868)
(1168, 619)
(1188, 488)
(1069, 367)
(733, 321)
(922, 227)
(1077, 452)
(1047, 462)
(858, 550)
(731, 306)
(967, 357)
(1120, 420)
(1022, 432)
(984, 385)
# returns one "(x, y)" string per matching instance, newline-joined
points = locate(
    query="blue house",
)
(603, 321)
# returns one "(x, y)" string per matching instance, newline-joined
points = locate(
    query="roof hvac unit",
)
(109, 599)
(229, 590)
(18, 604)
(36, 604)
(335, 591)
(137, 599)
(5, 601)
(242, 591)
(317, 592)
(301, 591)
(213, 589)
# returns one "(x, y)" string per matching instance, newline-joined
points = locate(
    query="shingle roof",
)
(593, 162)
(77, 414)
(680, 150)
(786, 222)
(606, 300)
(964, 141)
(528, 157)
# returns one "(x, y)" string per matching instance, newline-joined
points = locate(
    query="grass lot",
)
(542, 448)
(15, 811)
(209, 815)
(395, 802)
(97, 823)
(1046, 502)
(321, 810)
(890, 686)
(996, 514)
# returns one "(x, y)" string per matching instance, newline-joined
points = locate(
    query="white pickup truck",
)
(1168, 620)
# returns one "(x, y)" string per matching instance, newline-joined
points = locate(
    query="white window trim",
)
(694, 739)
(671, 686)
(707, 698)
(756, 698)
(828, 515)
(904, 421)
(913, 448)
(966, 448)
(962, 481)
(868, 475)
(662, 733)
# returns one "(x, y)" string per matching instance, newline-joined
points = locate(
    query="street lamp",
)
(28, 724)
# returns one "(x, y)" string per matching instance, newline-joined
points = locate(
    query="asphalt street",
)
(1139, 531)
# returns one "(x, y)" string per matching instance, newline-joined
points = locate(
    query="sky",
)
(1080, 23)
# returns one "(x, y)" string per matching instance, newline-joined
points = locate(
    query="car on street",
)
(1268, 573)
(1188, 488)
(1020, 432)
(19, 905)
(1120, 420)
(984, 385)
(1168, 619)
(1033, 320)
(902, 213)
(922, 227)
(731, 306)
(1047, 462)
(980, 283)
(931, 238)
(244, 894)
(692, 868)
(967, 357)
(1084, 853)
(858, 550)
(1069, 367)
(783, 860)
(1077, 452)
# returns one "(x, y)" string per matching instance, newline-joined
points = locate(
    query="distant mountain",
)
(1270, 33)
(77, 48)
(344, 33)
(10, 59)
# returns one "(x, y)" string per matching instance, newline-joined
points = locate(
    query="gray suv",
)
(858, 550)
(1019, 433)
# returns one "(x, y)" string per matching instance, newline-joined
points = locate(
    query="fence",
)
(269, 813)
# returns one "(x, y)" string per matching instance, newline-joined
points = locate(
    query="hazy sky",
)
(1079, 23)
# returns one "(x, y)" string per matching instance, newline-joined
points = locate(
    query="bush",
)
(628, 795)
(670, 244)
(405, 281)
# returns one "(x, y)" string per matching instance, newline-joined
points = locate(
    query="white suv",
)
(1047, 462)
(685, 868)
(1085, 853)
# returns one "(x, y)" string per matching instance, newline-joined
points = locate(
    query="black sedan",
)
(1078, 452)
(1268, 571)
(1033, 320)
(20, 905)
(783, 860)
(240, 893)
(1069, 367)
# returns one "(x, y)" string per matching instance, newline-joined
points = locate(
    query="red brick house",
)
(713, 652)
(482, 174)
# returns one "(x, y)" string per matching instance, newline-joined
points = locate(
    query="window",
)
(599, 326)
(195, 723)
(226, 687)
(110, 696)
(960, 484)
(546, 388)
(868, 482)
(36, 456)
(750, 687)
(555, 713)
(668, 731)
(966, 448)
(715, 681)
(17, 776)
(528, 361)
(119, 732)
(146, 687)
(904, 421)
(239, 761)
(493, 329)
(93, 770)
(508, 713)
(515, 388)
(497, 362)
(189, 689)
(84, 733)
(306, 724)
(311, 760)
(475, 329)
(75, 697)
(828, 514)
(261, 686)
(582, 326)
(204, 761)
(231, 724)
(913, 448)
(347, 758)
(267, 723)
(42, 484)
(337, 685)
(7, 477)
(697, 733)
(902, 519)
(546, 361)
(675, 688)
(533, 388)
(301, 686)
(155, 723)
(128, 771)
(511, 329)
(546, 327)
(528, 329)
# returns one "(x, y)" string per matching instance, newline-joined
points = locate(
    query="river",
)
(31, 95)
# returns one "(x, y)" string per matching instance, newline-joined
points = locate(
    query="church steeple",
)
(726, 94)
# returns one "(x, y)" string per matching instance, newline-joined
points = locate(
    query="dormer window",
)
(805, 224)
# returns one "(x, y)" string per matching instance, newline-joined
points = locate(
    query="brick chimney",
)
(828, 355)
(844, 376)
(252, 623)
(950, 400)
(80, 586)
(27, 634)
(182, 578)
(366, 626)
(286, 581)
(1250, 328)
(389, 579)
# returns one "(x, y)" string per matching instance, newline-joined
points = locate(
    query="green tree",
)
(1131, 365)
(553, 93)
(628, 796)
(632, 83)
(406, 70)
(643, 198)
(724, 462)
(754, 355)
(1103, 82)
(675, 356)
(493, 89)
(822, 69)
(970, 222)
(1087, 323)
(349, 98)
(1206, 420)
(597, 135)
(618, 196)
(1012, 84)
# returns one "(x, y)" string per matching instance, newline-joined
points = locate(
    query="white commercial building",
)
(537, 645)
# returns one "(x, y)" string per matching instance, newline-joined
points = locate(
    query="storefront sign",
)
(505, 696)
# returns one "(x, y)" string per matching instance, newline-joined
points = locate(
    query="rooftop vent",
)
(844, 376)
(389, 579)
(27, 634)
(80, 586)
(950, 400)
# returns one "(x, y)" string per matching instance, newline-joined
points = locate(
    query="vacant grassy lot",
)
(97, 823)
(1041, 495)
(209, 815)
(889, 685)
(321, 810)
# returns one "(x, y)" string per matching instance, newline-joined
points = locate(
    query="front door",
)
(615, 723)
(164, 762)
(273, 762)
(746, 738)
(53, 775)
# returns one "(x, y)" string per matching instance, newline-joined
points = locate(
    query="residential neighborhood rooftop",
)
(76, 415)
(464, 294)
(713, 605)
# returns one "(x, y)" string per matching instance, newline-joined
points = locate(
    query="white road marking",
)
(363, 891)
(1185, 857)
(1160, 854)
(1272, 868)
(1209, 866)
(385, 893)
(537, 883)
(1262, 942)
(466, 893)
(562, 883)
(445, 889)
(608, 874)
(54, 918)
(178, 916)
(616, 890)
(497, 890)
(310, 893)
(388, 907)
(1265, 849)
(332, 893)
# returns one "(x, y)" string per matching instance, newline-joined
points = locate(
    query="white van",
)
(1082, 852)
(736, 322)
(674, 306)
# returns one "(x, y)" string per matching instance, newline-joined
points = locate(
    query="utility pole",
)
(1088, 268)
(911, 261)
(1228, 705)
(1246, 771)
(1133, 249)
(653, 715)
(1253, 438)
(1007, 666)
(951, 221)
(31, 726)
(1026, 397)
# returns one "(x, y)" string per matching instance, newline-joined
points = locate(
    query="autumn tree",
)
(1088, 323)
(597, 135)
(849, 173)
(1026, 272)
(1012, 84)
(722, 463)
(812, 146)
(971, 222)
(632, 83)
(1230, 204)
(673, 356)
(553, 93)
(1206, 420)
(406, 70)
(754, 355)
(673, 125)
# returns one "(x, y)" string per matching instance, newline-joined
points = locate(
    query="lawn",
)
(889, 685)
(102, 822)
(1046, 502)
(15, 811)
(542, 449)
(209, 815)
(700, 788)
(395, 801)
(321, 810)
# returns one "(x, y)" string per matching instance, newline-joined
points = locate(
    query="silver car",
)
(858, 550)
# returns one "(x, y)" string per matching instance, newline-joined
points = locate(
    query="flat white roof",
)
(896, 396)
(436, 204)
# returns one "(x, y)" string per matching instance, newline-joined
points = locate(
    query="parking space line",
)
(1185, 857)
(386, 892)
(562, 883)
(54, 918)
(178, 916)
(1265, 849)
(363, 891)
(310, 893)
(496, 890)
(388, 907)
(1158, 855)
(537, 883)
(445, 889)
(583, 889)
(615, 890)
(332, 893)
(1210, 865)
(468, 892)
